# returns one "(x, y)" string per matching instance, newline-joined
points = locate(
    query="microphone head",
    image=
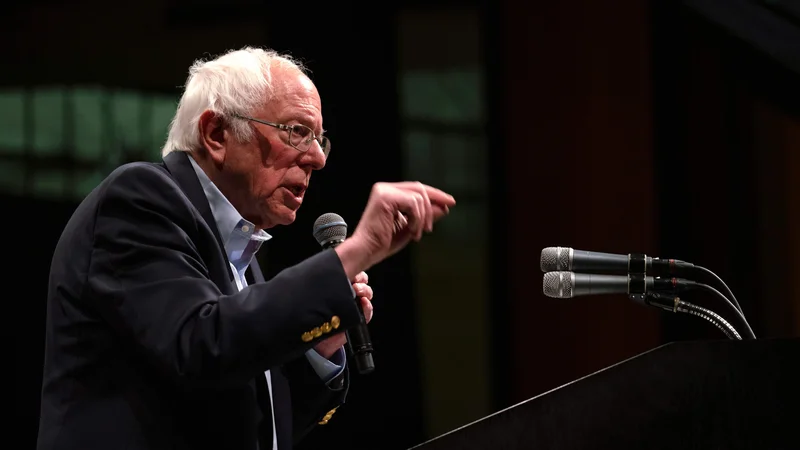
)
(558, 284)
(556, 258)
(329, 228)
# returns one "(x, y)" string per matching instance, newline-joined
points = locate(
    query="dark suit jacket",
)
(149, 345)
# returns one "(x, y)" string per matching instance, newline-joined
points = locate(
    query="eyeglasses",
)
(300, 136)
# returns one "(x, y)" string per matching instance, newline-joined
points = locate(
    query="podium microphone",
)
(563, 284)
(554, 259)
(330, 230)
(566, 258)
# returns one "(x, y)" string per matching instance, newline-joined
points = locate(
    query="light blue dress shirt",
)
(242, 241)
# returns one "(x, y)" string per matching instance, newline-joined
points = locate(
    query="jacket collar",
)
(179, 165)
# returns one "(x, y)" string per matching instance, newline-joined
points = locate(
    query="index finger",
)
(435, 195)
(439, 212)
(440, 197)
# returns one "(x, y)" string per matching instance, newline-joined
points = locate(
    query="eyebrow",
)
(313, 128)
(304, 119)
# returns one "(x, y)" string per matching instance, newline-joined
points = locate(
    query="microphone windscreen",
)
(558, 284)
(555, 258)
(328, 228)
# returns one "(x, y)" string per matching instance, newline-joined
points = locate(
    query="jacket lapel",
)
(180, 167)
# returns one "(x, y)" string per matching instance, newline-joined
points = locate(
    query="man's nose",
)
(313, 157)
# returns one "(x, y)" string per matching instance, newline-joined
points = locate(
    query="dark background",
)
(669, 128)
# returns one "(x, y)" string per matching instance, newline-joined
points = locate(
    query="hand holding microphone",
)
(330, 230)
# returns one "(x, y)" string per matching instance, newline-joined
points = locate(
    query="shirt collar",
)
(240, 237)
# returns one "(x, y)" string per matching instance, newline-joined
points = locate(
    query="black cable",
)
(722, 286)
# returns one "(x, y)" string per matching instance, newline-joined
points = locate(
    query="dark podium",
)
(686, 395)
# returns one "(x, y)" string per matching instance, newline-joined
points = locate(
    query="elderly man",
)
(161, 332)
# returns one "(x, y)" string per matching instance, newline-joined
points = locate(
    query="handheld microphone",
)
(330, 230)
(565, 284)
(566, 258)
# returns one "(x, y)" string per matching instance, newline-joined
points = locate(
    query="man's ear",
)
(212, 136)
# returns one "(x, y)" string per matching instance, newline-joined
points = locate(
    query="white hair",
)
(236, 82)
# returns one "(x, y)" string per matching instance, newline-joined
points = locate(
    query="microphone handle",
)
(592, 262)
(599, 284)
(358, 339)
(599, 262)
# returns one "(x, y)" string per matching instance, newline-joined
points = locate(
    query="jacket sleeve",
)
(148, 281)
(312, 398)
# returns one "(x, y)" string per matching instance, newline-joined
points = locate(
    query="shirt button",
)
(245, 228)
